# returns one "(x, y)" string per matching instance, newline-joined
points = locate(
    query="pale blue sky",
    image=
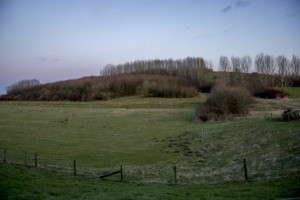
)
(53, 40)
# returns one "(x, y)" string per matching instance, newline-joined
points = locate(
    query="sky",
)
(52, 40)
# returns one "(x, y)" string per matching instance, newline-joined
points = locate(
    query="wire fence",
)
(229, 171)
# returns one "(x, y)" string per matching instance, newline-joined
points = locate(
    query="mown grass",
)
(148, 136)
(19, 182)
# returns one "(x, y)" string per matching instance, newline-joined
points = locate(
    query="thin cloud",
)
(226, 31)
(226, 9)
(290, 15)
(42, 58)
(235, 5)
(56, 60)
(241, 4)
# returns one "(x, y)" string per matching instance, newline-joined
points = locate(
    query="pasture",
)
(148, 136)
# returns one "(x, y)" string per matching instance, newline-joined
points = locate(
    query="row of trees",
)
(193, 69)
(270, 68)
(23, 84)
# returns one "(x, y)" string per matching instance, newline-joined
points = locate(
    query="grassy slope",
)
(19, 182)
(149, 135)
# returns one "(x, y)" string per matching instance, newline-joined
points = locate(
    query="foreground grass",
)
(148, 136)
(19, 182)
(148, 140)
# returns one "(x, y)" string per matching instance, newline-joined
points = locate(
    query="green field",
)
(148, 136)
(293, 91)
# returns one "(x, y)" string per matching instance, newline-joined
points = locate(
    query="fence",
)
(159, 173)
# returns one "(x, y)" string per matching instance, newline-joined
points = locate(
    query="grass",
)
(19, 182)
(148, 136)
(293, 91)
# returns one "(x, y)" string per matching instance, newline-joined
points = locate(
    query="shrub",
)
(205, 88)
(290, 115)
(3, 98)
(272, 94)
(224, 101)
(75, 97)
(206, 113)
(230, 100)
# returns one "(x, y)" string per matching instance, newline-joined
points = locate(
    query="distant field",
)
(293, 91)
(148, 136)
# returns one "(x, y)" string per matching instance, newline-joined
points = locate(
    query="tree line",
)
(274, 71)
(193, 69)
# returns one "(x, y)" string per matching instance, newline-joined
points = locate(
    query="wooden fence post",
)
(25, 158)
(35, 160)
(75, 168)
(4, 158)
(121, 173)
(175, 175)
(245, 169)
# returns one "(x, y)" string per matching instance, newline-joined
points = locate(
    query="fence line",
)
(142, 174)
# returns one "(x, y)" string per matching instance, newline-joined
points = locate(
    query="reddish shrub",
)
(4, 99)
(75, 97)
(272, 94)
(206, 88)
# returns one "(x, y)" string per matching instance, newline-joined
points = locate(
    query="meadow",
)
(147, 136)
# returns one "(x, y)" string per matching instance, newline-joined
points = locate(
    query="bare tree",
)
(260, 68)
(295, 67)
(23, 84)
(283, 69)
(224, 64)
(209, 64)
(259, 63)
(236, 64)
(269, 69)
(246, 62)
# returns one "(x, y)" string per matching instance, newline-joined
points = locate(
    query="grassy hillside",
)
(148, 137)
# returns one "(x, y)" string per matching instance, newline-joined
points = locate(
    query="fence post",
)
(121, 173)
(202, 135)
(245, 169)
(175, 175)
(4, 158)
(25, 158)
(74, 168)
(35, 160)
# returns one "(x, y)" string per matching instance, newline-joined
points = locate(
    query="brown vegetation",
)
(106, 87)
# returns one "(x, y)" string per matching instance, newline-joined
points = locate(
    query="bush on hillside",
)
(224, 101)
(290, 115)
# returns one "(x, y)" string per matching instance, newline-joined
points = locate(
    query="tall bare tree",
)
(295, 67)
(224, 64)
(283, 69)
(246, 63)
(269, 69)
(236, 64)
(260, 67)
